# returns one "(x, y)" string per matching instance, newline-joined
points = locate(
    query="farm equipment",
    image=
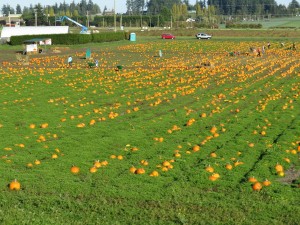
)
(84, 29)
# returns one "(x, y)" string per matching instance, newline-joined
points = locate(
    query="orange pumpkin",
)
(257, 186)
(54, 156)
(140, 171)
(132, 169)
(196, 148)
(266, 183)
(278, 168)
(209, 169)
(97, 164)
(75, 169)
(154, 174)
(228, 166)
(15, 185)
(93, 169)
(252, 179)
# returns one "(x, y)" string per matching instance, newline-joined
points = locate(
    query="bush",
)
(71, 39)
(243, 25)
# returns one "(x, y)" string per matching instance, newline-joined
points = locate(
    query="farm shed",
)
(7, 32)
(32, 45)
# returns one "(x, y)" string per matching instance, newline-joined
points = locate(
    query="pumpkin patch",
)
(166, 131)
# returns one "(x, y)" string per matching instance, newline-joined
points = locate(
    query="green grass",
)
(168, 91)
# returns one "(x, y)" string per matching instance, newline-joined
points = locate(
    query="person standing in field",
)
(269, 45)
(70, 60)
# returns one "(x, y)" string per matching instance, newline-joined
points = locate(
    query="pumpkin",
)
(44, 125)
(214, 177)
(133, 149)
(97, 164)
(144, 162)
(154, 174)
(251, 145)
(252, 179)
(140, 171)
(209, 169)
(132, 169)
(278, 168)
(228, 166)
(196, 148)
(54, 156)
(15, 185)
(266, 183)
(75, 169)
(257, 186)
(166, 163)
(280, 173)
(29, 165)
(93, 169)
(213, 155)
(213, 130)
(177, 155)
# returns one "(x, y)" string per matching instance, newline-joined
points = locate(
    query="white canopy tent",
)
(8, 32)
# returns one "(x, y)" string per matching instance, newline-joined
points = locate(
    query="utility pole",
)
(115, 16)
(35, 15)
(9, 18)
(87, 16)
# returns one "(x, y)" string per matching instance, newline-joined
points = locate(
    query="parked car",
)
(167, 36)
(203, 36)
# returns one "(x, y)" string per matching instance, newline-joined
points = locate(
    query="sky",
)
(120, 4)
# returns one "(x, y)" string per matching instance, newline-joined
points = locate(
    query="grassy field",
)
(177, 139)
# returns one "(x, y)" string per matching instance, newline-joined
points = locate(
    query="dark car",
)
(167, 36)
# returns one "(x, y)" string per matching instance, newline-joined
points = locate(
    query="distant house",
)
(190, 20)
(13, 20)
(109, 13)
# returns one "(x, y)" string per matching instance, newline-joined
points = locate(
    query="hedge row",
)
(72, 39)
(243, 25)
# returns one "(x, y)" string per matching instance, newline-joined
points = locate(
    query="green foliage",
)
(243, 25)
(168, 91)
(107, 37)
(71, 39)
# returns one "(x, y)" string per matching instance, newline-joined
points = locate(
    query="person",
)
(258, 52)
(96, 63)
(70, 60)
(294, 46)
(263, 49)
(269, 45)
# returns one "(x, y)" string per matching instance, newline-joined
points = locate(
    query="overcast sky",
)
(120, 4)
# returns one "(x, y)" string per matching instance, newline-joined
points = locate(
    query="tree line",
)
(155, 12)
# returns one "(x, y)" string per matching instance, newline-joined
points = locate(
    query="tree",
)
(6, 9)
(18, 9)
(156, 6)
(166, 14)
(175, 12)
(135, 6)
(294, 7)
(51, 11)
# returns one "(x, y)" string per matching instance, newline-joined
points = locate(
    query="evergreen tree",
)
(18, 9)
